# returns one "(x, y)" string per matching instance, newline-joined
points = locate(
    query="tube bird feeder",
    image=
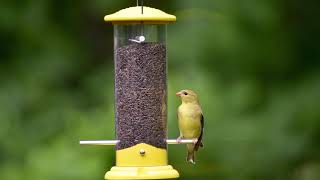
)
(140, 58)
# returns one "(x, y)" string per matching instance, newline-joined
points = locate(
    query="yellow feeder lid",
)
(135, 14)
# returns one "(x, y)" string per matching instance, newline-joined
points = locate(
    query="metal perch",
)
(114, 142)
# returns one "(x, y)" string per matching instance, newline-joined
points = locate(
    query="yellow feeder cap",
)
(135, 14)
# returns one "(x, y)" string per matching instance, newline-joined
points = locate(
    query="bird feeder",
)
(140, 58)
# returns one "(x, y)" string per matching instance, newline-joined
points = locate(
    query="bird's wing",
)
(199, 142)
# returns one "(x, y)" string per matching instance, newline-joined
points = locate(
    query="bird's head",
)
(187, 96)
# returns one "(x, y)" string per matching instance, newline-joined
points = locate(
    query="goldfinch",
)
(191, 121)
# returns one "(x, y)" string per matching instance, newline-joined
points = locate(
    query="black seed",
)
(141, 98)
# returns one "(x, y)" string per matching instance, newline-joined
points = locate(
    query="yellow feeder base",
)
(142, 161)
(156, 172)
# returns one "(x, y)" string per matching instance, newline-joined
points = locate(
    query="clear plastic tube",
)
(140, 84)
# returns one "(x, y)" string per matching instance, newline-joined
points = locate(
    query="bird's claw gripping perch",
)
(195, 141)
(179, 139)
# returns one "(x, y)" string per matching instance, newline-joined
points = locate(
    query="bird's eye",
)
(185, 93)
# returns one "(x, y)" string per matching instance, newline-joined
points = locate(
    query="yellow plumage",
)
(189, 115)
(190, 121)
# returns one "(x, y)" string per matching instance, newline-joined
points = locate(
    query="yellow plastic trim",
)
(132, 157)
(135, 14)
(157, 172)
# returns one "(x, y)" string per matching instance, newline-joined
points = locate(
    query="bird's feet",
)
(179, 139)
(195, 141)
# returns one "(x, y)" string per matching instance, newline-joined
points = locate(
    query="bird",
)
(191, 121)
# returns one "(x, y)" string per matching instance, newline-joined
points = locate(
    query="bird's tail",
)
(190, 156)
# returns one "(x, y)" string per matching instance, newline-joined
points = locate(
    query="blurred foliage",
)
(255, 65)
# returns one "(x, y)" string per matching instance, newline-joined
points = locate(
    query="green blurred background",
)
(254, 64)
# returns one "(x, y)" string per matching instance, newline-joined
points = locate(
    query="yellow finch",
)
(191, 121)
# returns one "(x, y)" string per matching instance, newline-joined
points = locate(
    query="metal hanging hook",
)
(141, 5)
(141, 38)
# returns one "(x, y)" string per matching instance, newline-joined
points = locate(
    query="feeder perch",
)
(140, 60)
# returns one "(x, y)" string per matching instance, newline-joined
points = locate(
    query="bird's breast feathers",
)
(190, 110)
(190, 120)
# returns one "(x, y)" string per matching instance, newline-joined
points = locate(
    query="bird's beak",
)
(178, 94)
